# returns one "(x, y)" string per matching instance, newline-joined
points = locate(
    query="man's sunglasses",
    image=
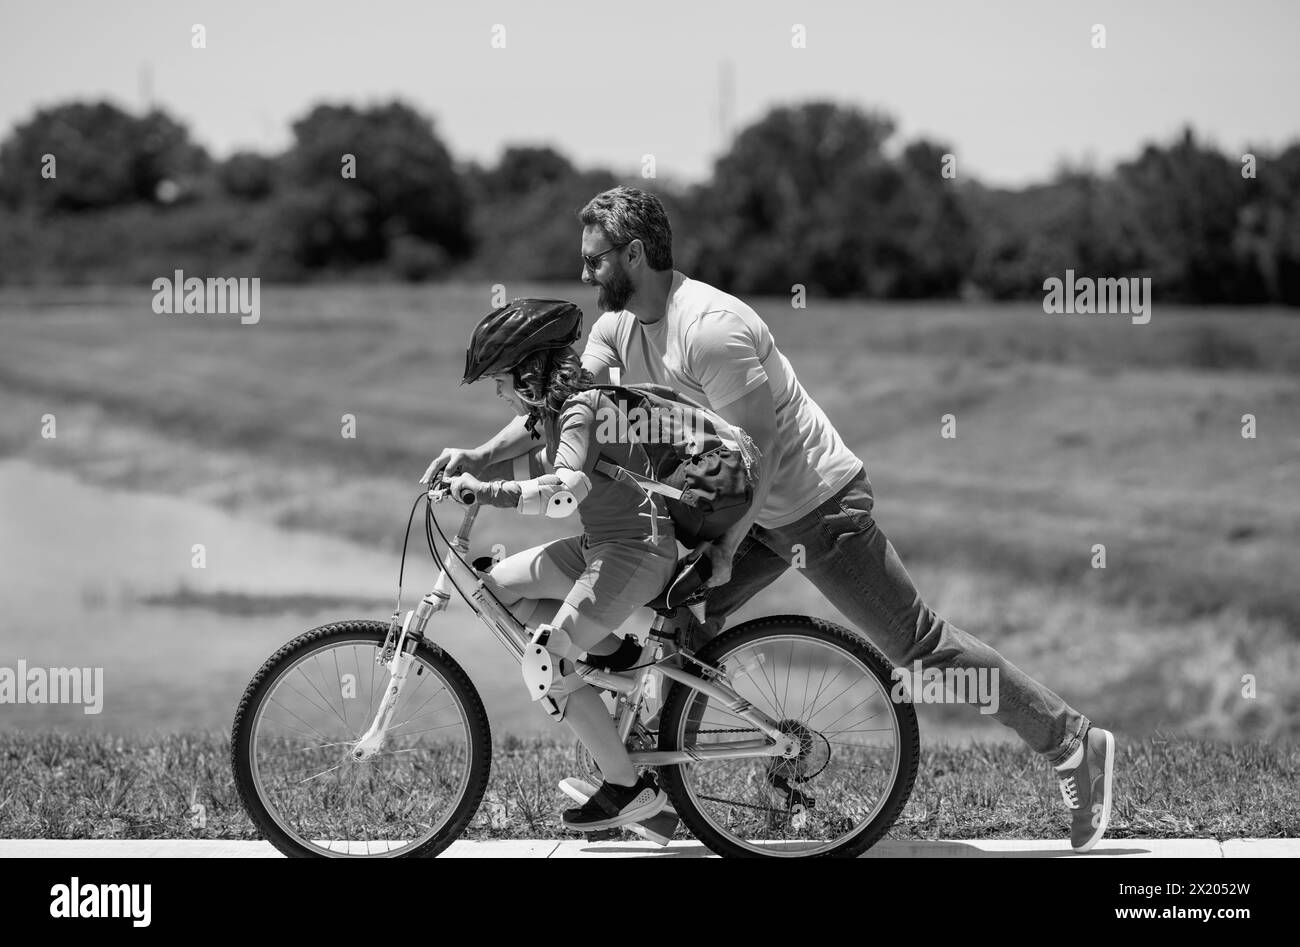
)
(592, 262)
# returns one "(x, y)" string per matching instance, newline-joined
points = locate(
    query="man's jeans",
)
(855, 566)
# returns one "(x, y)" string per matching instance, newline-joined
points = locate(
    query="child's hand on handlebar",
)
(463, 484)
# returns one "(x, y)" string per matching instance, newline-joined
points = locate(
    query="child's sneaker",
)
(615, 805)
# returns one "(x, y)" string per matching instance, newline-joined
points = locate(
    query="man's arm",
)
(601, 351)
(510, 442)
(722, 353)
(756, 413)
(523, 466)
(599, 369)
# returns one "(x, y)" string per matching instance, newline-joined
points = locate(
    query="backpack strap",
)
(646, 486)
(614, 389)
(615, 472)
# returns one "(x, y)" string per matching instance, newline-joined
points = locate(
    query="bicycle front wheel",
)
(858, 749)
(307, 708)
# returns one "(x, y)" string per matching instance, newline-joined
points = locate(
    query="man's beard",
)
(615, 296)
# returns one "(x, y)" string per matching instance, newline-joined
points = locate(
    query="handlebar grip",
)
(467, 497)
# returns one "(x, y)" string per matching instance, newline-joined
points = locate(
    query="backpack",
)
(700, 465)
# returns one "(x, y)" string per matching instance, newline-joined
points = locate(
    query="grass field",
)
(1071, 431)
(60, 786)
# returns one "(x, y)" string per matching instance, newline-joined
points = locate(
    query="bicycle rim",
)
(309, 717)
(850, 748)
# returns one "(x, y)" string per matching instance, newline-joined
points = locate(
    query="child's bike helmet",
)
(507, 335)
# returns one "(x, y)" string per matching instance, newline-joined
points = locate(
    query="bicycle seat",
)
(686, 584)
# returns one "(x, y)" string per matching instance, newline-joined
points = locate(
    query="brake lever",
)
(443, 490)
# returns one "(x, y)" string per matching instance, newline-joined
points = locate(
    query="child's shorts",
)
(610, 580)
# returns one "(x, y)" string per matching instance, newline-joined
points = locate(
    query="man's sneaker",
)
(1086, 787)
(615, 805)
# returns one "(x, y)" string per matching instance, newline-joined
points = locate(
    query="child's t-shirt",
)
(613, 510)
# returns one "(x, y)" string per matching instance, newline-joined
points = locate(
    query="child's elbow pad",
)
(556, 494)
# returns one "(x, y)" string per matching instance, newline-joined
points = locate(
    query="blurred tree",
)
(163, 154)
(104, 157)
(416, 260)
(925, 240)
(807, 195)
(1267, 237)
(405, 184)
(522, 170)
(1186, 199)
(535, 233)
(247, 176)
(810, 194)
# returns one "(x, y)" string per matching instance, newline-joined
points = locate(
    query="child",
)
(601, 577)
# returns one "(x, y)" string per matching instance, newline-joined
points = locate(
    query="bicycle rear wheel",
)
(858, 748)
(309, 705)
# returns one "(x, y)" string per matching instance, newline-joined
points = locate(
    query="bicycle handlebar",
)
(442, 489)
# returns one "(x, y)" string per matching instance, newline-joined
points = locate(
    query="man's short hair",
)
(629, 213)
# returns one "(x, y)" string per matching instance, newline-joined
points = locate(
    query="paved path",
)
(551, 848)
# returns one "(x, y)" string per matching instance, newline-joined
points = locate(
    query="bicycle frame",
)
(630, 690)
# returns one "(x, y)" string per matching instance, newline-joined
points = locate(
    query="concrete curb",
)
(553, 848)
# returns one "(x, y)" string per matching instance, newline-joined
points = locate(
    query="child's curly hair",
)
(547, 379)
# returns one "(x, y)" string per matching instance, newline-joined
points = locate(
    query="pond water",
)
(81, 564)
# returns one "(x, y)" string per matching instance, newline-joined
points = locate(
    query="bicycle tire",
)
(458, 683)
(679, 700)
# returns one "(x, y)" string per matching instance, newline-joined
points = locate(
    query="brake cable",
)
(430, 518)
(406, 539)
(386, 653)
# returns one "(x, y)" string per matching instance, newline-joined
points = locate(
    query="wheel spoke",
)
(834, 789)
(317, 797)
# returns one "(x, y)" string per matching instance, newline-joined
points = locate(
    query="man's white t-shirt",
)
(713, 348)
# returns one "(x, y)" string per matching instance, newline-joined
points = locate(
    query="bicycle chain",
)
(733, 802)
(743, 805)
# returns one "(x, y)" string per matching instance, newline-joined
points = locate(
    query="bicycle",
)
(747, 773)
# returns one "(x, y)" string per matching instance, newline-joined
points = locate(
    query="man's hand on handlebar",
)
(452, 461)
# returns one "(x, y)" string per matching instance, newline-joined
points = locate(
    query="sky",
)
(1014, 87)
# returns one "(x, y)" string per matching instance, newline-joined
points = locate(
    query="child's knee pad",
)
(548, 676)
(556, 700)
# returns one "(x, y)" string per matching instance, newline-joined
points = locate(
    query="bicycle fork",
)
(398, 667)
